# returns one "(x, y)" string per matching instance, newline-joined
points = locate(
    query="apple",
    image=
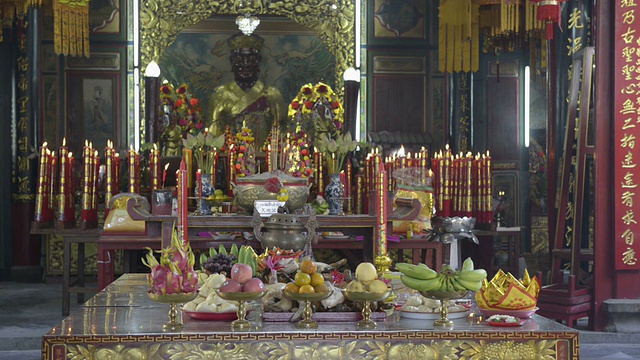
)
(241, 272)
(253, 285)
(231, 286)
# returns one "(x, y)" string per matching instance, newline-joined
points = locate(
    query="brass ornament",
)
(162, 21)
(365, 349)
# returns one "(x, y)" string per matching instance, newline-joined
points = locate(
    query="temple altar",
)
(122, 321)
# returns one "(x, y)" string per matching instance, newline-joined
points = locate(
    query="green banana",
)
(457, 285)
(417, 271)
(420, 284)
(449, 284)
(222, 250)
(470, 285)
(473, 275)
(234, 250)
(467, 264)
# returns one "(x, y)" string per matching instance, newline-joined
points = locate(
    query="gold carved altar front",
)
(121, 322)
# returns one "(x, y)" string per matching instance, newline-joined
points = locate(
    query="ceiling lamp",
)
(247, 23)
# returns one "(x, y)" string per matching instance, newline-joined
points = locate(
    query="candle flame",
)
(70, 155)
(96, 153)
(44, 144)
(86, 142)
(446, 147)
(166, 167)
(155, 146)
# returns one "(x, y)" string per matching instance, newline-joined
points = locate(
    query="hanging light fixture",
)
(246, 22)
(549, 12)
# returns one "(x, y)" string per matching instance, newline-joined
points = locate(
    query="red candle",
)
(53, 167)
(116, 176)
(108, 159)
(164, 174)
(214, 167)
(63, 181)
(70, 210)
(182, 179)
(131, 162)
(381, 204)
(153, 171)
(86, 179)
(199, 183)
(94, 188)
(42, 178)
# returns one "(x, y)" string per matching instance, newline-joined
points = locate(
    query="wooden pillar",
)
(26, 248)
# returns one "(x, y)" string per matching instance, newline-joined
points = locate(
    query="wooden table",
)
(69, 237)
(122, 321)
(158, 234)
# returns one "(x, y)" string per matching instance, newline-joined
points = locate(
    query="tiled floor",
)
(28, 311)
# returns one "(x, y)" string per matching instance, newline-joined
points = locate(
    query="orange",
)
(302, 278)
(306, 289)
(307, 266)
(291, 287)
(317, 279)
(322, 288)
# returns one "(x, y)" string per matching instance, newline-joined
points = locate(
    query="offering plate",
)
(444, 310)
(306, 322)
(173, 300)
(366, 297)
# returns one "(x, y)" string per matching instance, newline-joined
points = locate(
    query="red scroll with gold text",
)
(626, 132)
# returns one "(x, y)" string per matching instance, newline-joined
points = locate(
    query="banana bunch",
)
(320, 205)
(422, 278)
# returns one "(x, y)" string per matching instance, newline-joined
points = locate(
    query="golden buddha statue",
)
(171, 138)
(246, 100)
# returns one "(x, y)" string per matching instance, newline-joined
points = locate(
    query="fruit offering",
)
(221, 261)
(307, 280)
(422, 278)
(366, 280)
(207, 299)
(242, 280)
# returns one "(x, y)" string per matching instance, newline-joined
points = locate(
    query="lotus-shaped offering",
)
(444, 310)
(241, 324)
(505, 293)
(366, 297)
(306, 322)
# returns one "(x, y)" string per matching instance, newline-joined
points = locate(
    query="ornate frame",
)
(161, 21)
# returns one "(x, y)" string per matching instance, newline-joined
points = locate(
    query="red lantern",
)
(549, 12)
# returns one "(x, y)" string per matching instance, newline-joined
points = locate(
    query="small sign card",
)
(267, 207)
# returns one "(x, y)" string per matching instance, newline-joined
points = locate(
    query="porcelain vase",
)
(207, 190)
(333, 193)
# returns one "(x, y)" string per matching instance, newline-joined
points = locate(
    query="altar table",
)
(122, 322)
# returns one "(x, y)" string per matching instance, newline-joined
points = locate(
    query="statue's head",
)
(245, 56)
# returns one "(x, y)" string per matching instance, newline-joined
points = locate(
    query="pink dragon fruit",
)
(174, 273)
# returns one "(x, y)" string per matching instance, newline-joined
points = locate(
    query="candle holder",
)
(306, 322)
(342, 199)
(366, 298)
(174, 300)
(241, 324)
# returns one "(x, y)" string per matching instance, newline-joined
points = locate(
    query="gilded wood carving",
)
(333, 22)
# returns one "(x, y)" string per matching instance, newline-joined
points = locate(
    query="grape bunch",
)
(219, 263)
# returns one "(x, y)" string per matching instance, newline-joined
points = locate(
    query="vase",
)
(334, 194)
(207, 190)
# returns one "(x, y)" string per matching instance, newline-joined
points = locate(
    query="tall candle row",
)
(463, 185)
(91, 164)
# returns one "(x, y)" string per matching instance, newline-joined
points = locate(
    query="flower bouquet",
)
(317, 107)
(183, 103)
(336, 149)
(203, 146)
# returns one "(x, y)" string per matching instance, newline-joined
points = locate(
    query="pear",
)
(355, 286)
